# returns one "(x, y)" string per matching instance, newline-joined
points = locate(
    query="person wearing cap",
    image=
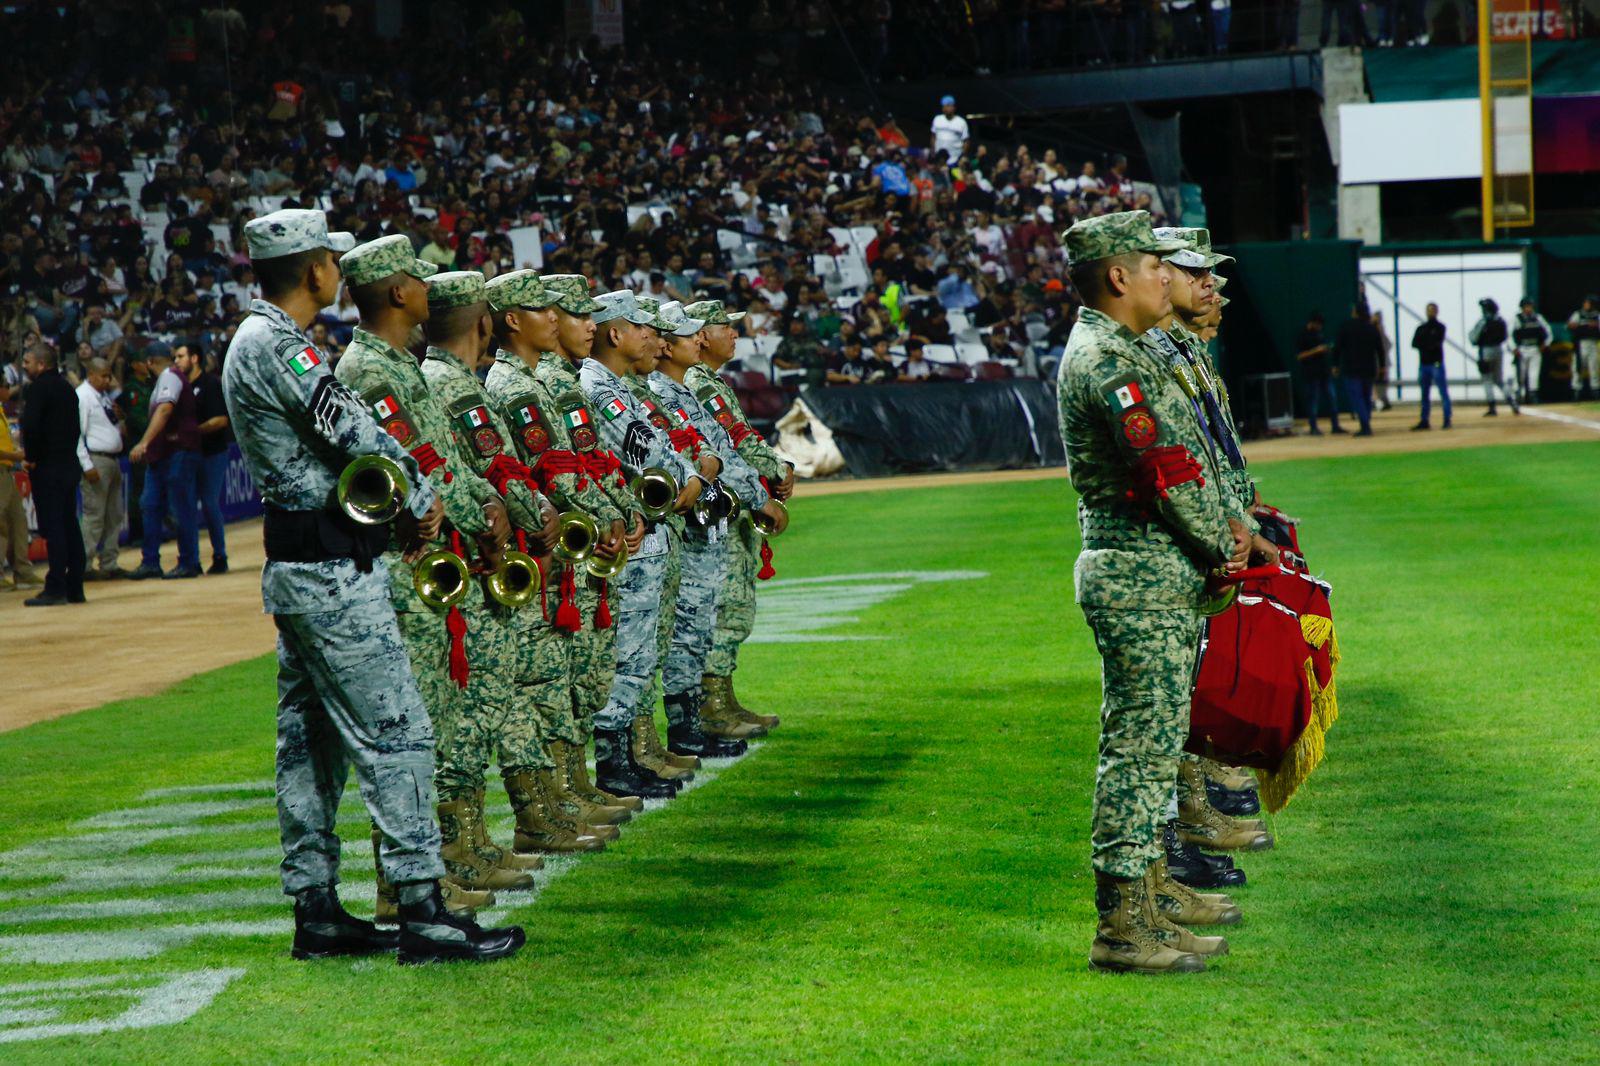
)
(1153, 528)
(1489, 336)
(346, 695)
(950, 132)
(749, 557)
(629, 756)
(1530, 333)
(526, 331)
(459, 654)
(521, 657)
(1584, 327)
(594, 646)
(705, 556)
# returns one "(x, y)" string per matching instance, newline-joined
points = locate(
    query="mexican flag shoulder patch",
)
(304, 360)
(613, 409)
(1124, 394)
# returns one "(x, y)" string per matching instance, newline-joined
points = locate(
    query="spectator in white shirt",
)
(100, 444)
(950, 133)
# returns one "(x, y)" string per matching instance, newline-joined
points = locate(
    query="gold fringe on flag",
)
(1278, 786)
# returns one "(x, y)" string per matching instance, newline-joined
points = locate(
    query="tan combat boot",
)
(769, 722)
(574, 757)
(538, 828)
(1202, 824)
(570, 808)
(504, 858)
(458, 901)
(1126, 939)
(1232, 778)
(1171, 933)
(593, 813)
(466, 865)
(653, 757)
(646, 721)
(717, 716)
(1182, 905)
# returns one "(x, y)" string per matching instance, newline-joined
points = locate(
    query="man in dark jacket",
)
(51, 442)
(1359, 348)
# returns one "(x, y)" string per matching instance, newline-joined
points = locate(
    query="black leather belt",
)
(321, 536)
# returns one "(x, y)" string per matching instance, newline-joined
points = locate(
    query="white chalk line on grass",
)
(173, 998)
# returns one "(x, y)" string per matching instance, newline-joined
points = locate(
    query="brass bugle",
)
(715, 504)
(657, 491)
(579, 537)
(605, 569)
(765, 524)
(440, 578)
(516, 580)
(372, 489)
(735, 504)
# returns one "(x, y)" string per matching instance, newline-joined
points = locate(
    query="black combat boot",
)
(685, 737)
(1234, 801)
(430, 933)
(616, 772)
(323, 929)
(1190, 866)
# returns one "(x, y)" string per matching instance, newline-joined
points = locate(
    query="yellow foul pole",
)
(1486, 118)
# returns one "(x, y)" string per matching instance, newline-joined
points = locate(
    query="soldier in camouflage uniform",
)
(525, 329)
(1155, 520)
(532, 680)
(704, 559)
(629, 755)
(748, 554)
(346, 697)
(459, 653)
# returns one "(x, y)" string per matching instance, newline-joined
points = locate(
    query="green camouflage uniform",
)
(532, 408)
(389, 381)
(346, 697)
(1141, 573)
(736, 604)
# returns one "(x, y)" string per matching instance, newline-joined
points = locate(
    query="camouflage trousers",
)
(1147, 663)
(594, 652)
(542, 705)
(736, 603)
(637, 623)
(346, 699)
(466, 721)
(694, 614)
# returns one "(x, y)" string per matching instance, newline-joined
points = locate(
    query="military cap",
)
(1118, 233)
(571, 293)
(1223, 301)
(383, 258)
(649, 303)
(674, 318)
(455, 288)
(1217, 282)
(622, 304)
(518, 288)
(292, 230)
(711, 313)
(1201, 239)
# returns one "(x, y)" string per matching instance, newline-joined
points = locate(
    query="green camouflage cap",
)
(1104, 236)
(674, 318)
(294, 230)
(622, 304)
(571, 292)
(1202, 242)
(455, 288)
(383, 258)
(1217, 282)
(1223, 301)
(711, 313)
(518, 288)
(648, 303)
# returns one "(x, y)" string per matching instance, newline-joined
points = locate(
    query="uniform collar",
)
(605, 372)
(276, 314)
(449, 358)
(378, 344)
(1101, 321)
(513, 361)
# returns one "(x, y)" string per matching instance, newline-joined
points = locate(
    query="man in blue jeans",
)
(1312, 353)
(1428, 340)
(1359, 349)
(171, 449)
(215, 436)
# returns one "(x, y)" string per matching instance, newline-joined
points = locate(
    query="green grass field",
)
(901, 871)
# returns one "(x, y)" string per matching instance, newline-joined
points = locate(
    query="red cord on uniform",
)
(602, 614)
(766, 573)
(568, 620)
(455, 623)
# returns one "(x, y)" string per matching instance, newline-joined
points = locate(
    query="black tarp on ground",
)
(973, 425)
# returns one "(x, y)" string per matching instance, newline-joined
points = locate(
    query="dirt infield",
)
(135, 639)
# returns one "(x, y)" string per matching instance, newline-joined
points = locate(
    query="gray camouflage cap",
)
(384, 258)
(622, 304)
(674, 318)
(290, 231)
(517, 288)
(711, 312)
(1202, 243)
(571, 292)
(1217, 282)
(455, 288)
(1188, 256)
(1119, 233)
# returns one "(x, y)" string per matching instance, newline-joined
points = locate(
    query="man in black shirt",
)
(1428, 340)
(51, 439)
(215, 436)
(1359, 348)
(1312, 352)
